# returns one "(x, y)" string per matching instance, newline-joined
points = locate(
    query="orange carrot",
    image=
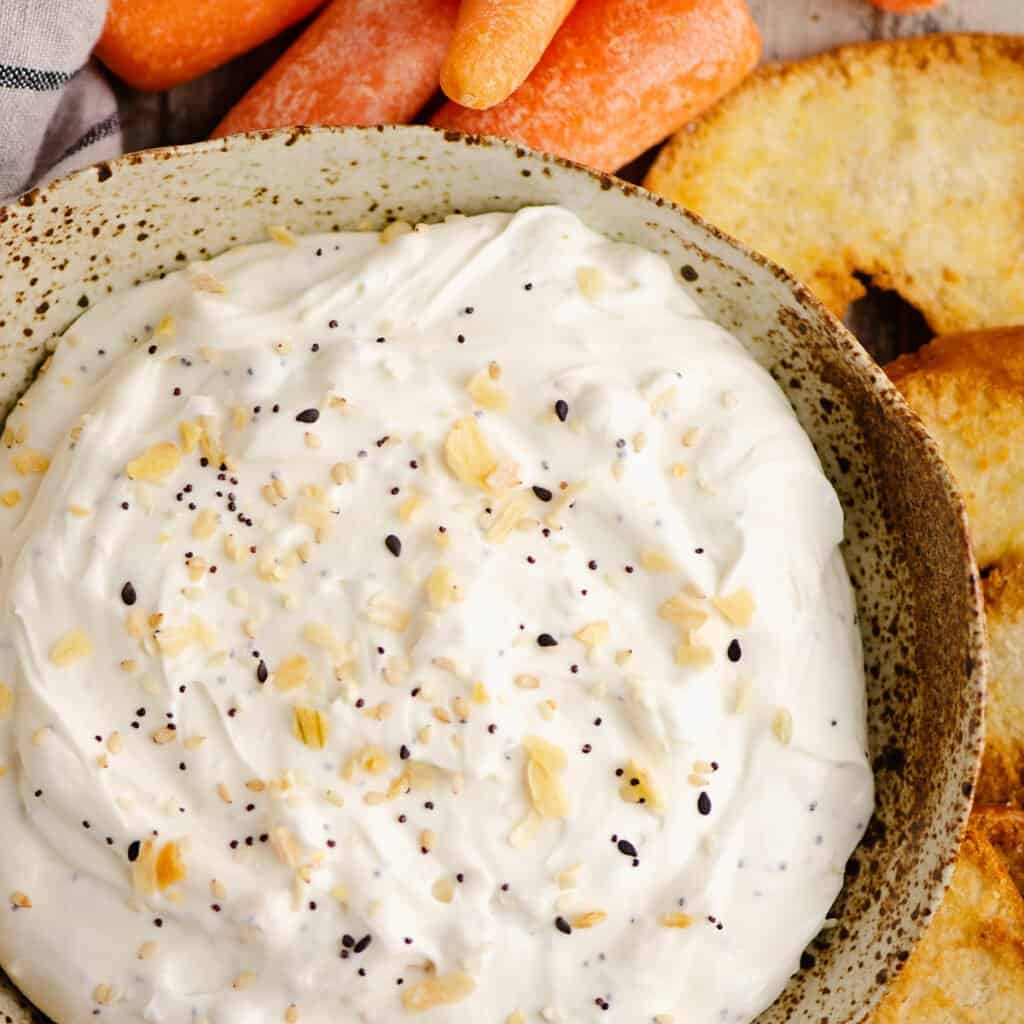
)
(906, 6)
(157, 44)
(496, 45)
(619, 76)
(360, 62)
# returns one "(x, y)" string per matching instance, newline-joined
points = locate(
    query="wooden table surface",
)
(791, 28)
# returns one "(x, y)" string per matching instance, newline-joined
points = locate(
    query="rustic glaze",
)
(108, 227)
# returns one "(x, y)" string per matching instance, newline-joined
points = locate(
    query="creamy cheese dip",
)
(448, 622)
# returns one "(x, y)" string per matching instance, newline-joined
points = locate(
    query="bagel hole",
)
(885, 323)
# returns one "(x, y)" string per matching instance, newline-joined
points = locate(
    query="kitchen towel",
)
(56, 110)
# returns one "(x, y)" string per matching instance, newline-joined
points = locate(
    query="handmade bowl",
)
(111, 226)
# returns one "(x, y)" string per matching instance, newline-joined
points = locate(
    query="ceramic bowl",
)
(113, 225)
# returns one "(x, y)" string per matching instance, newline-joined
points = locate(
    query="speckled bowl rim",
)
(833, 331)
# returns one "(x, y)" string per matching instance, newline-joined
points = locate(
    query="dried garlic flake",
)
(438, 990)
(70, 648)
(637, 787)
(737, 608)
(467, 454)
(310, 727)
(544, 765)
(486, 393)
(155, 463)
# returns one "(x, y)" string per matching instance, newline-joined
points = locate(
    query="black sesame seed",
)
(261, 672)
(563, 926)
(543, 493)
(134, 848)
(128, 594)
(308, 416)
(688, 273)
(626, 848)
(393, 544)
(362, 944)
(704, 803)
(546, 640)
(734, 651)
(348, 941)
(562, 409)
(332, 324)
(403, 752)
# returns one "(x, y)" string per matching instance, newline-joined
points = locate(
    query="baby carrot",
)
(496, 45)
(619, 76)
(359, 62)
(906, 6)
(157, 44)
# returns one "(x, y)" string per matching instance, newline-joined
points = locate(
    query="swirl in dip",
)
(447, 622)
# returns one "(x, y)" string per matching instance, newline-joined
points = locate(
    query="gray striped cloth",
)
(56, 110)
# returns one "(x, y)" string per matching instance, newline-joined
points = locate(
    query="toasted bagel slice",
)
(969, 966)
(1002, 767)
(897, 160)
(969, 391)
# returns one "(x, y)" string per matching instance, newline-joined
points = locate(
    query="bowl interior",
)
(108, 227)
